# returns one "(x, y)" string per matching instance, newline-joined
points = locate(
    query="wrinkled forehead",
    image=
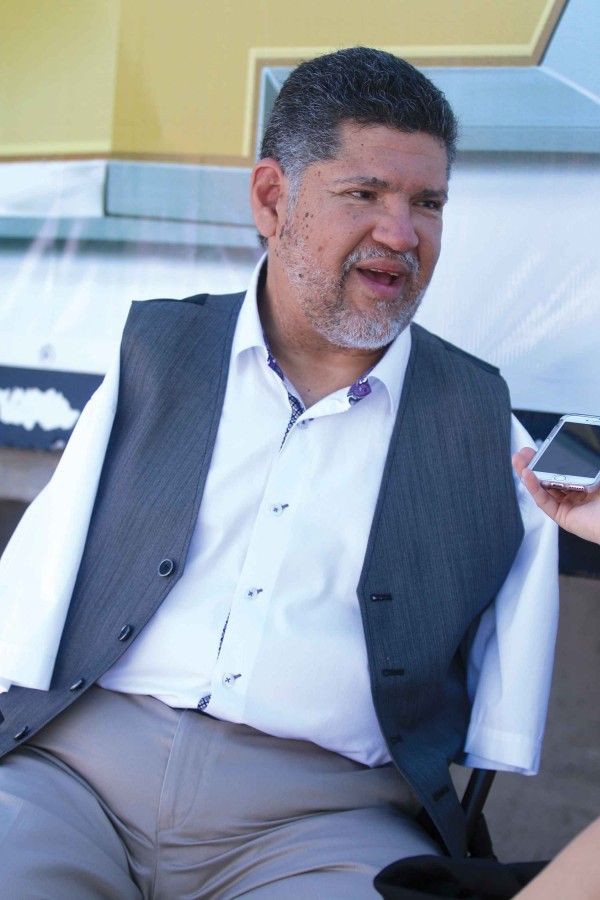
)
(352, 135)
(379, 156)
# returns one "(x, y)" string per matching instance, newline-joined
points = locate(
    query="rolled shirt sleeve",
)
(40, 564)
(510, 662)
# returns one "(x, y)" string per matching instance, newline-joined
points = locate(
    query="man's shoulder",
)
(211, 300)
(203, 317)
(438, 344)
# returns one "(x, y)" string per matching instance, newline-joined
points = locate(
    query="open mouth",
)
(380, 276)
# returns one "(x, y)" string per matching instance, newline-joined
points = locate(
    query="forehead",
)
(389, 154)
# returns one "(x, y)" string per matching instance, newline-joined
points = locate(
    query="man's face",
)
(359, 244)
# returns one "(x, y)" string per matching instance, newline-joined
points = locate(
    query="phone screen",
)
(574, 450)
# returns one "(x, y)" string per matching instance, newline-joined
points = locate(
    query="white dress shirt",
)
(264, 626)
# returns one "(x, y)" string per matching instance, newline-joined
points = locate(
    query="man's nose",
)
(395, 229)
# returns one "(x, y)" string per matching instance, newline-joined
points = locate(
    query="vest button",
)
(125, 632)
(166, 567)
(22, 733)
(77, 684)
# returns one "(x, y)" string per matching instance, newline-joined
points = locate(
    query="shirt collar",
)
(249, 332)
(390, 369)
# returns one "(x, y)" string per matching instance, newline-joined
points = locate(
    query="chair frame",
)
(479, 842)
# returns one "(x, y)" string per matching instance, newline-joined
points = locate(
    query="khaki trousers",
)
(123, 797)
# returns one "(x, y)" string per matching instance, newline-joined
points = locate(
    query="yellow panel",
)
(177, 78)
(428, 23)
(187, 69)
(57, 76)
(181, 78)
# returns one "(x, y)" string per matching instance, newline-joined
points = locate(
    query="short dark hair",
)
(359, 84)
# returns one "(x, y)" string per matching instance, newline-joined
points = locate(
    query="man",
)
(304, 510)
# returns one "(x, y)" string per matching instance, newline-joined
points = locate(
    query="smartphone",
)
(569, 458)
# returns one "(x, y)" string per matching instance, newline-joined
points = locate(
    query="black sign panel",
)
(39, 407)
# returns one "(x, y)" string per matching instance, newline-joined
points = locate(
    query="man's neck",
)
(314, 366)
(316, 375)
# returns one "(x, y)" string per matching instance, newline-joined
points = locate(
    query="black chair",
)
(479, 842)
(479, 876)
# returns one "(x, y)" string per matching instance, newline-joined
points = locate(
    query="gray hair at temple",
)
(361, 85)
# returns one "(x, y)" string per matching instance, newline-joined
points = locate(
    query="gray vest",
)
(444, 534)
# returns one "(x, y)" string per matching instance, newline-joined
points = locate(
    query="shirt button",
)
(277, 509)
(253, 592)
(229, 679)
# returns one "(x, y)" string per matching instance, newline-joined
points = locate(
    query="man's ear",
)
(268, 193)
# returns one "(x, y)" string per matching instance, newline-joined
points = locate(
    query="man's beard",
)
(323, 298)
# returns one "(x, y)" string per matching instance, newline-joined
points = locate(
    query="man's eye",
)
(362, 195)
(431, 204)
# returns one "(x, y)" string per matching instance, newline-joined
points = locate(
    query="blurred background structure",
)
(127, 132)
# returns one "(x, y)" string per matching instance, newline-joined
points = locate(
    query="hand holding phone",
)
(569, 458)
(577, 511)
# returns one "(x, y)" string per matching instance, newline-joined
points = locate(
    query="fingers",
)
(545, 500)
(521, 459)
(578, 513)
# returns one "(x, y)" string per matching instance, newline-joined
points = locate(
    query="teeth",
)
(383, 272)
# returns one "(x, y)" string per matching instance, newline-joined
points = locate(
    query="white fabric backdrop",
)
(518, 282)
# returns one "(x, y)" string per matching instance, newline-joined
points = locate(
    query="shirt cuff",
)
(505, 751)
